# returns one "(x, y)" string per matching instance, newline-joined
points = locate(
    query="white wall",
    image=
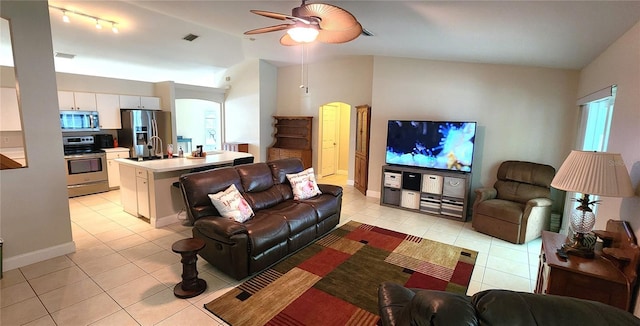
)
(620, 65)
(242, 107)
(34, 210)
(345, 80)
(523, 113)
(268, 107)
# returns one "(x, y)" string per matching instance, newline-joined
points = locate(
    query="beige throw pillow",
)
(231, 204)
(304, 184)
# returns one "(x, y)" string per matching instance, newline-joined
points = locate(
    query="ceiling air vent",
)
(190, 37)
(65, 55)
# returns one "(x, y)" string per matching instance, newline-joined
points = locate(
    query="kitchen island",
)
(146, 187)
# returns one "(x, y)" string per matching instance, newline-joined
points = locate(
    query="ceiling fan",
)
(310, 22)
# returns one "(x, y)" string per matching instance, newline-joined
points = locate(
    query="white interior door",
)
(329, 139)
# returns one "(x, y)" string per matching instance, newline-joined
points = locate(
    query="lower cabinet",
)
(113, 170)
(142, 189)
(428, 191)
(276, 153)
(134, 190)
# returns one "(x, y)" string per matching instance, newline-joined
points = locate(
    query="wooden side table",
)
(596, 279)
(191, 285)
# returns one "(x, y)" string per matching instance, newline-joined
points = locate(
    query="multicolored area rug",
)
(334, 281)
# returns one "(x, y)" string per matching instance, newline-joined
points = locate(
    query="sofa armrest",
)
(485, 193)
(221, 226)
(399, 305)
(330, 189)
(539, 202)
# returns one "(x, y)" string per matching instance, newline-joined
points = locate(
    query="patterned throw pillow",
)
(231, 204)
(304, 184)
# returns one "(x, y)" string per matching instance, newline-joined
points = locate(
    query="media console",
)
(428, 191)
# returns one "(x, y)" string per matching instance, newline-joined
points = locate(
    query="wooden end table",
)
(597, 278)
(191, 285)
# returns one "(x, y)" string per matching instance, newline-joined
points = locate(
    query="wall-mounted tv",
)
(446, 145)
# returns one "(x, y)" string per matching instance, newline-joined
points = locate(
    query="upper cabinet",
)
(9, 110)
(108, 107)
(76, 101)
(139, 102)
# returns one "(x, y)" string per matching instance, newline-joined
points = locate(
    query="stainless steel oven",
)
(85, 165)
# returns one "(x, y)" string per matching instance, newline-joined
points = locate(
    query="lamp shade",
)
(594, 173)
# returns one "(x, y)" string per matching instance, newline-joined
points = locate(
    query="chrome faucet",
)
(155, 148)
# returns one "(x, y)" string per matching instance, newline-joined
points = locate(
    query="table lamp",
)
(590, 173)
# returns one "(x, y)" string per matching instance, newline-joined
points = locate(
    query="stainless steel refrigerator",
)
(141, 130)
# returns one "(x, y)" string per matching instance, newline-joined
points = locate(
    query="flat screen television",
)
(445, 145)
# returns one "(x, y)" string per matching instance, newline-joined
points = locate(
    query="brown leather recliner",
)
(518, 207)
(280, 227)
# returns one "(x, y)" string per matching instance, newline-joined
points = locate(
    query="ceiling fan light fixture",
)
(303, 34)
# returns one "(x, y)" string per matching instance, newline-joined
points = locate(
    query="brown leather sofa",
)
(280, 226)
(518, 207)
(402, 306)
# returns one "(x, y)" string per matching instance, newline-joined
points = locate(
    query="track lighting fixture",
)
(98, 20)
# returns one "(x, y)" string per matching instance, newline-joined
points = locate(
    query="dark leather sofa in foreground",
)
(280, 227)
(402, 306)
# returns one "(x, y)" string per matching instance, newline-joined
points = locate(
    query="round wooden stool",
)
(191, 285)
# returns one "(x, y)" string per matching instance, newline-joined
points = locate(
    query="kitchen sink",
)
(150, 158)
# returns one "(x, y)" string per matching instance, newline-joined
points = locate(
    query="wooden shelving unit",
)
(429, 191)
(292, 139)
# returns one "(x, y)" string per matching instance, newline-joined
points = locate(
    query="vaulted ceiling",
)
(150, 45)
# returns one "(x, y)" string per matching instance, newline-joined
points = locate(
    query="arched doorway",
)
(334, 132)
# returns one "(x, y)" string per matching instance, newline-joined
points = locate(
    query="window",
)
(596, 112)
(596, 123)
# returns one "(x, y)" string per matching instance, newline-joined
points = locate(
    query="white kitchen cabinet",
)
(150, 102)
(76, 101)
(9, 110)
(142, 191)
(134, 190)
(85, 101)
(108, 107)
(66, 101)
(113, 170)
(139, 102)
(128, 195)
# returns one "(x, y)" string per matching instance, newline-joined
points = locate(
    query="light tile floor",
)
(123, 271)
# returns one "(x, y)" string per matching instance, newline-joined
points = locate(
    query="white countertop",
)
(183, 163)
(116, 149)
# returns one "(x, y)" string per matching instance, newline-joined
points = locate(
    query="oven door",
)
(86, 174)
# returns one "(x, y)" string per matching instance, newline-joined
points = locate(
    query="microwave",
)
(79, 121)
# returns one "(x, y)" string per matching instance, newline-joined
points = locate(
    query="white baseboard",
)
(164, 221)
(350, 182)
(374, 194)
(37, 256)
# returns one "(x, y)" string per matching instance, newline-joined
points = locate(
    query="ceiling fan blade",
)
(331, 17)
(339, 36)
(267, 29)
(270, 14)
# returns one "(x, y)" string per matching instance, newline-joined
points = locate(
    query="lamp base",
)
(579, 246)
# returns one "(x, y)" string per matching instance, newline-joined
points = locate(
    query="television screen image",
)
(445, 145)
